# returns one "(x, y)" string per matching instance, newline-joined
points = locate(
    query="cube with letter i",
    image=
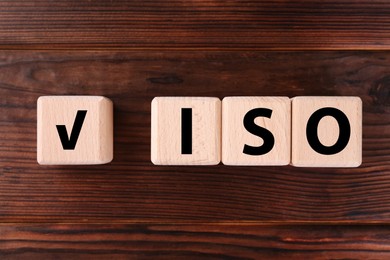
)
(186, 131)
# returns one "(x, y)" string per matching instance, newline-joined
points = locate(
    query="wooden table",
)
(132, 51)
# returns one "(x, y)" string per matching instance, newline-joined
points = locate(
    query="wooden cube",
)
(74, 130)
(186, 131)
(326, 131)
(256, 130)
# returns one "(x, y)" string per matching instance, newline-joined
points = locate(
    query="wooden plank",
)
(193, 242)
(133, 190)
(241, 24)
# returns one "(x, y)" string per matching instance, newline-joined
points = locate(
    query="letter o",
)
(312, 133)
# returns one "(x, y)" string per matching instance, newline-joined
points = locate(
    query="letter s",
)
(267, 136)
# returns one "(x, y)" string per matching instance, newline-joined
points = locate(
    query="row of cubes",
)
(302, 131)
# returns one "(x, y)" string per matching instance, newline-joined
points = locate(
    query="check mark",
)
(70, 143)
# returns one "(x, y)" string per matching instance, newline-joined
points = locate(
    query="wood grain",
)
(192, 48)
(193, 242)
(159, 24)
(132, 190)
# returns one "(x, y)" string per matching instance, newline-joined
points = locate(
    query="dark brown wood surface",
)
(270, 24)
(132, 51)
(132, 189)
(193, 242)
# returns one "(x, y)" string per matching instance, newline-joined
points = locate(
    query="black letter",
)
(312, 134)
(70, 143)
(186, 131)
(249, 123)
